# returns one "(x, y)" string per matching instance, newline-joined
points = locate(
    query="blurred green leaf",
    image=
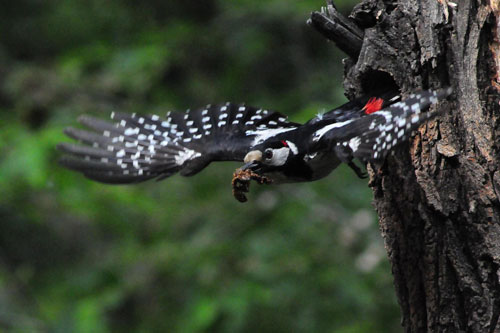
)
(178, 255)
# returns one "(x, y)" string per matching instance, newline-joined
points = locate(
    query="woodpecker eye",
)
(268, 154)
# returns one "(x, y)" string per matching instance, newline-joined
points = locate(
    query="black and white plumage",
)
(134, 148)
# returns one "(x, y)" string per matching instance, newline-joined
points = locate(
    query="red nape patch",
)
(284, 143)
(373, 105)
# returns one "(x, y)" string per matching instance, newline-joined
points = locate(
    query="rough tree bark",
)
(438, 197)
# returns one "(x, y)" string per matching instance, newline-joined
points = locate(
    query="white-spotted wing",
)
(132, 148)
(372, 137)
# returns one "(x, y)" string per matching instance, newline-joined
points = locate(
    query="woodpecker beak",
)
(252, 160)
(250, 165)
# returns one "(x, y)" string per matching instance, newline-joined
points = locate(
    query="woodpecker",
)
(133, 148)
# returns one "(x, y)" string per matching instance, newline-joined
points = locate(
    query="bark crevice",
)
(438, 197)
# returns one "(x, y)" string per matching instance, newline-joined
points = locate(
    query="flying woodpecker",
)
(133, 148)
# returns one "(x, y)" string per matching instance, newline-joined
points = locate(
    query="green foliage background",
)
(180, 255)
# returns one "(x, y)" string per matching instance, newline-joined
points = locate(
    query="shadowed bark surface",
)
(438, 197)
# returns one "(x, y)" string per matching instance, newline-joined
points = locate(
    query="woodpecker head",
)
(270, 157)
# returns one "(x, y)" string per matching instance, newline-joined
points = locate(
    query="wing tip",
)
(70, 132)
(84, 119)
(64, 147)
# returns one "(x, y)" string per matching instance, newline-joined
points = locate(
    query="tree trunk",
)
(438, 197)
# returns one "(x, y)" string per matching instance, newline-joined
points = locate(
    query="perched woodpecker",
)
(134, 148)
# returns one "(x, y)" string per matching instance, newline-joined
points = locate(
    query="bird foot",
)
(241, 183)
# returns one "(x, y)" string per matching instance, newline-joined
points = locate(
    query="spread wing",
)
(133, 148)
(371, 137)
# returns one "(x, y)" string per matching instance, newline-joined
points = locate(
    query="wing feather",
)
(132, 148)
(371, 137)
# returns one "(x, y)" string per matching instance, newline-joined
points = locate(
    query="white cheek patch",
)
(279, 156)
(293, 147)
